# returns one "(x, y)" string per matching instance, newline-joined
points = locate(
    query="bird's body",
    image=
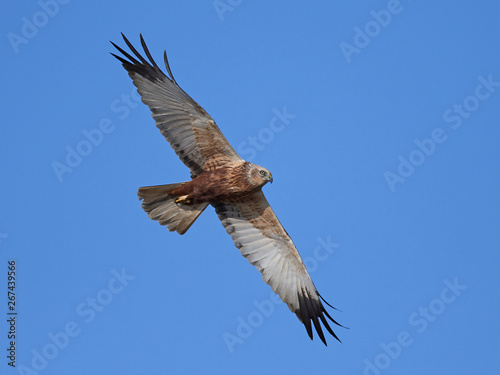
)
(225, 184)
(222, 179)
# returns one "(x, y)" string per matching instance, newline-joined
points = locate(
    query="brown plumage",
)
(227, 182)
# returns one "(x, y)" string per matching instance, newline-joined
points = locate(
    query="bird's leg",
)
(183, 199)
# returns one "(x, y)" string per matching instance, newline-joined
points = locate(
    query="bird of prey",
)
(221, 178)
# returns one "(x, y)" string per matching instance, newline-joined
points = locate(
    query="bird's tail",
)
(162, 207)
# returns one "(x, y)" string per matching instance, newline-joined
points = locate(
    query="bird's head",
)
(260, 176)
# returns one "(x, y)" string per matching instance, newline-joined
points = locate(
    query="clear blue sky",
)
(388, 153)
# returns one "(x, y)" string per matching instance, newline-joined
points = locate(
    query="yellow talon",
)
(183, 199)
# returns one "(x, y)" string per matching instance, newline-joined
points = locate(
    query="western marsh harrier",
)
(230, 184)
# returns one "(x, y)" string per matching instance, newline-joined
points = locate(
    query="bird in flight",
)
(221, 178)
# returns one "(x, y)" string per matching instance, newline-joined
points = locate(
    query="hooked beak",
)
(270, 179)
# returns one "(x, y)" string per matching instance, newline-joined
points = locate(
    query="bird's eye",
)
(263, 173)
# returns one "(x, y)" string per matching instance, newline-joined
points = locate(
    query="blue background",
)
(366, 83)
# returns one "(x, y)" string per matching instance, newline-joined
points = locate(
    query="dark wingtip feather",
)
(121, 59)
(328, 328)
(135, 52)
(132, 61)
(167, 65)
(146, 51)
(138, 64)
(318, 329)
(310, 310)
(320, 296)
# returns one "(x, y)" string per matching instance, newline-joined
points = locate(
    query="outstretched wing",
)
(190, 130)
(258, 234)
